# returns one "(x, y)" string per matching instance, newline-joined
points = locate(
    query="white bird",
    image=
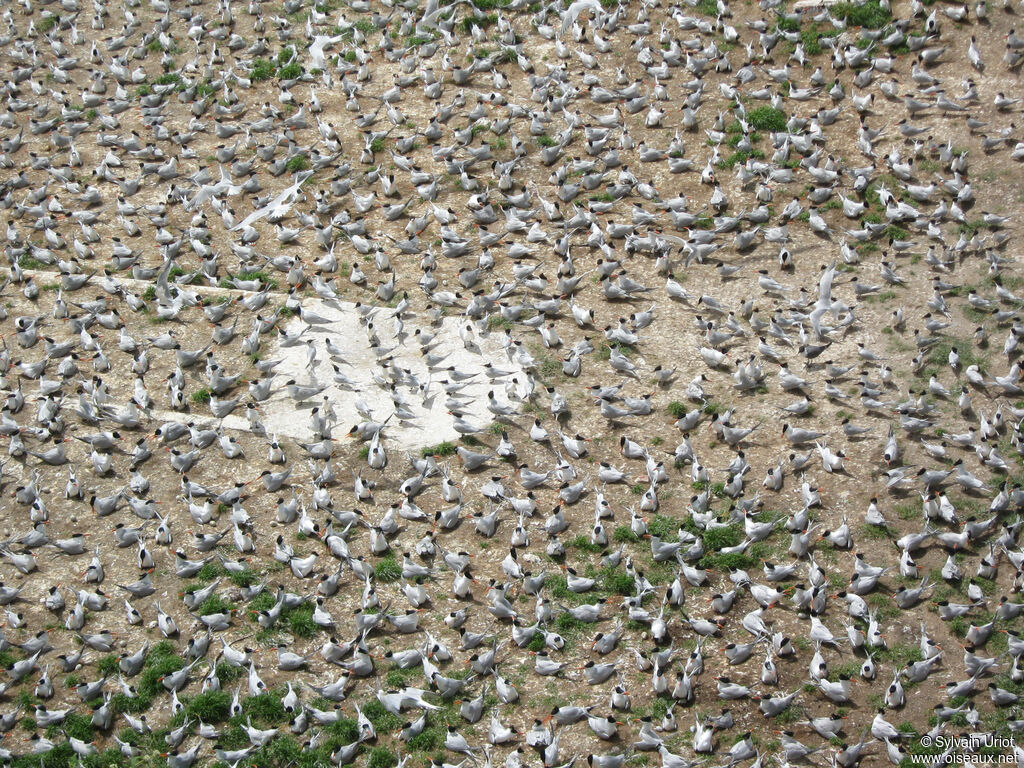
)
(575, 9)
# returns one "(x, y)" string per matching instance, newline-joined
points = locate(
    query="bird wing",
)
(430, 13)
(576, 9)
(286, 195)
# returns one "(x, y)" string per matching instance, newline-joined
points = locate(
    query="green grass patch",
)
(208, 573)
(285, 55)
(210, 707)
(261, 69)
(168, 78)
(75, 725)
(722, 536)
(107, 665)
(987, 585)
(624, 533)
(908, 510)
(162, 660)
(898, 655)
(877, 532)
(380, 717)
(215, 604)
(381, 757)
(243, 578)
(497, 321)
(723, 562)
(559, 590)
(850, 669)
(483, 22)
(548, 368)
(788, 25)
(227, 673)
(584, 544)
(615, 582)
(265, 709)
(298, 620)
(811, 38)
(400, 678)
(740, 158)
(790, 715)
(767, 119)
(431, 738)
(568, 625)
(387, 570)
(664, 527)
(938, 357)
(204, 89)
(971, 228)
(884, 606)
(880, 298)
(676, 409)
(870, 15)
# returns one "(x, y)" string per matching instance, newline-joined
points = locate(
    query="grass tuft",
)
(767, 119)
(441, 449)
(870, 15)
(677, 409)
(387, 570)
(261, 70)
(210, 707)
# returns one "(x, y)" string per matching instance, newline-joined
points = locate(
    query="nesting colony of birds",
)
(511, 384)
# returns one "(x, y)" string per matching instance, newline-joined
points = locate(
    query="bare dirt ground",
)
(190, 50)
